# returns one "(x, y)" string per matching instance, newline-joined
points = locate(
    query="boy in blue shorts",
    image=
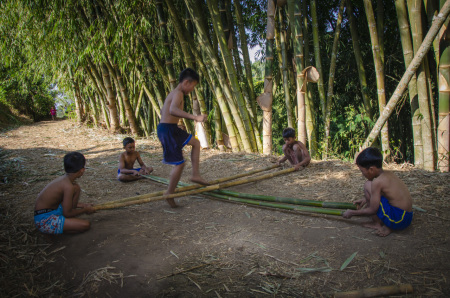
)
(126, 172)
(58, 202)
(386, 198)
(173, 138)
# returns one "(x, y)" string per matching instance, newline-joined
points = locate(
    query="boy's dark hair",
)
(288, 133)
(127, 141)
(73, 162)
(370, 157)
(188, 74)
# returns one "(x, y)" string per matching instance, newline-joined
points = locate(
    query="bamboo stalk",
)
(186, 187)
(280, 206)
(375, 292)
(149, 198)
(322, 204)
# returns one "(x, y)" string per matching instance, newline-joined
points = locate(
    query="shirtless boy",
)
(386, 198)
(294, 151)
(58, 202)
(173, 138)
(126, 173)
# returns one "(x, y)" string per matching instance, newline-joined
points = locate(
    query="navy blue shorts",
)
(172, 139)
(393, 217)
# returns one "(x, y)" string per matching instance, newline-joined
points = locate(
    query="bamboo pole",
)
(337, 205)
(375, 292)
(280, 206)
(183, 189)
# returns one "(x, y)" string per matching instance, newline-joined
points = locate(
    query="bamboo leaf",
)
(345, 264)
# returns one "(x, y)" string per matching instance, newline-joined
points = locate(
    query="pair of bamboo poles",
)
(216, 185)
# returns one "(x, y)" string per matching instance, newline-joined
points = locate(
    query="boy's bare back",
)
(175, 98)
(393, 189)
(54, 193)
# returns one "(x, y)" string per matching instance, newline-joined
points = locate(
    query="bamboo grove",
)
(342, 73)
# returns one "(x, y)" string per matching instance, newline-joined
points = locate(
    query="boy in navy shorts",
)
(386, 198)
(173, 138)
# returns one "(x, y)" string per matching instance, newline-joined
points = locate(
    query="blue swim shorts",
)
(172, 139)
(393, 217)
(118, 171)
(50, 221)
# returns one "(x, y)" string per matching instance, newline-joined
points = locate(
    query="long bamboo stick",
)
(313, 203)
(146, 198)
(279, 205)
(375, 292)
(186, 187)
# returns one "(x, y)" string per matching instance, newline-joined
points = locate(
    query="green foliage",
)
(349, 131)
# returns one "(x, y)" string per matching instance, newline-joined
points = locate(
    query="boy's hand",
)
(147, 170)
(201, 118)
(89, 208)
(347, 214)
(135, 173)
(359, 203)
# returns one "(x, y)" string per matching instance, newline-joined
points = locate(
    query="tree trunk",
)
(284, 71)
(331, 78)
(408, 54)
(415, 8)
(444, 96)
(379, 69)
(265, 99)
(112, 104)
(245, 54)
(230, 70)
(359, 61)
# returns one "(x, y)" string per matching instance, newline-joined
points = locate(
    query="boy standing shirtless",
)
(386, 198)
(126, 173)
(173, 138)
(58, 202)
(294, 151)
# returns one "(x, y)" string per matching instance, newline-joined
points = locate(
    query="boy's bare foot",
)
(172, 203)
(372, 225)
(199, 180)
(383, 231)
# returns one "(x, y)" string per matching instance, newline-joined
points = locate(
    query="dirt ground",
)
(208, 247)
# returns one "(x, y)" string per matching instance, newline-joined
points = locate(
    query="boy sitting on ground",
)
(294, 151)
(58, 202)
(386, 198)
(126, 173)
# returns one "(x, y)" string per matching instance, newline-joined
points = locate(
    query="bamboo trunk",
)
(265, 100)
(359, 61)
(380, 74)
(444, 97)
(329, 101)
(415, 9)
(402, 289)
(408, 54)
(317, 57)
(425, 46)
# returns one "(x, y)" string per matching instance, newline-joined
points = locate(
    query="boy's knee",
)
(85, 226)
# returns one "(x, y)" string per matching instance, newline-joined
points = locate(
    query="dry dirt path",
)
(213, 248)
